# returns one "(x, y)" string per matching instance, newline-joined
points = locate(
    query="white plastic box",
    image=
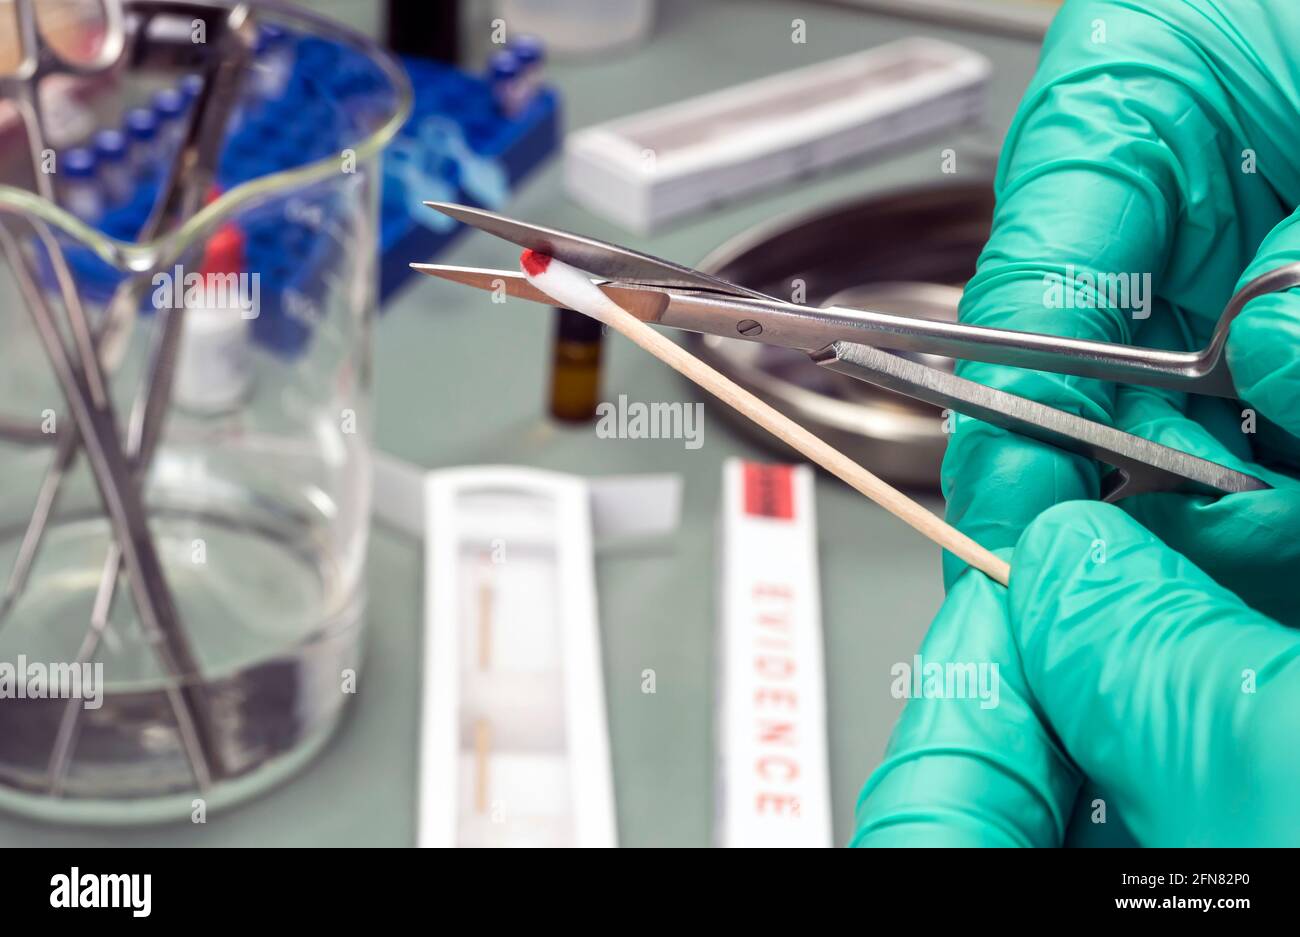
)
(515, 743)
(512, 644)
(643, 170)
(773, 783)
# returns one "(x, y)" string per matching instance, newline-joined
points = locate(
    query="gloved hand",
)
(1119, 660)
(1158, 142)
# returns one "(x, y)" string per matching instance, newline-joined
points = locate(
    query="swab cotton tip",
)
(568, 286)
(533, 262)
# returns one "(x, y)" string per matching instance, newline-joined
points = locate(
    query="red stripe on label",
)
(769, 490)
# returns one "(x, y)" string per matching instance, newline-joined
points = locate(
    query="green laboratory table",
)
(462, 383)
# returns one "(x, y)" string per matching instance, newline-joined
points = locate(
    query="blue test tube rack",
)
(456, 145)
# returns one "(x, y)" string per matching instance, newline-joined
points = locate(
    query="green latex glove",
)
(1157, 140)
(1132, 154)
(1177, 699)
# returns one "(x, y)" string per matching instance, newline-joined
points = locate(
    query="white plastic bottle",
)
(214, 364)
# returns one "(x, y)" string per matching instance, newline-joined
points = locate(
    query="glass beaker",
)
(256, 488)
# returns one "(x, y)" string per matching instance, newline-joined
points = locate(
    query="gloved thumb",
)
(1162, 686)
(1264, 341)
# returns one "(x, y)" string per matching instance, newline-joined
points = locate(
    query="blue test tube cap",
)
(141, 124)
(110, 145)
(529, 51)
(79, 162)
(168, 104)
(503, 66)
(191, 86)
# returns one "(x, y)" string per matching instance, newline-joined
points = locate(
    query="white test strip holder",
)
(645, 169)
(549, 778)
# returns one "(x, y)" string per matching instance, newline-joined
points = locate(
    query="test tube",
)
(81, 193)
(503, 76)
(114, 171)
(169, 107)
(141, 127)
(531, 54)
(191, 87)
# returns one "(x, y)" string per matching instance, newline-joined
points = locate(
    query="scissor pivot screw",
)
(749, 327)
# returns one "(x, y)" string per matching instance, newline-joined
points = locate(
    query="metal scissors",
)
(40, 59)
(118, 470)
(82, 378)
(858, 342)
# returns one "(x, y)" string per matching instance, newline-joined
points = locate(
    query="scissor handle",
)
(1277, 280)
(40, 57)
(809, 328)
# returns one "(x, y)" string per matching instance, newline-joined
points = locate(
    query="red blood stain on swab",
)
(533, 262)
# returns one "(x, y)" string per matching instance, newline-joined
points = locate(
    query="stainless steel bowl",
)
(908, 253)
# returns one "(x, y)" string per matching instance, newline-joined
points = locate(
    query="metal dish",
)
(907, 252)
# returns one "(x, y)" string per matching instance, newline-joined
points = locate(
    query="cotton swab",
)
(572, 289)
(482, 745)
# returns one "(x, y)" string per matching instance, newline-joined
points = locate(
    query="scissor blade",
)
(1144, 466)
(605, 260)
(646, 304)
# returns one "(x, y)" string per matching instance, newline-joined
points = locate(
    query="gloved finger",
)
(1077, 193)
(1264, 341)
(1040, 475)
(997, 482)
(1247, 542)
(1097, 822)
(1162, 686)
(969, 762)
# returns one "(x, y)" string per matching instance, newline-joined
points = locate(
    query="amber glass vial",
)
(575, 367)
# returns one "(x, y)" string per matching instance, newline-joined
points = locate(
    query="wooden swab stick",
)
(482, 745)
(571, 288)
